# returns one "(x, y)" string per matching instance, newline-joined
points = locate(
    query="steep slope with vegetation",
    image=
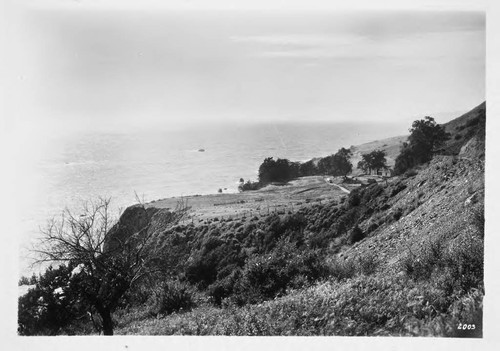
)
(470, 127)
(390, 260)
(403, 257)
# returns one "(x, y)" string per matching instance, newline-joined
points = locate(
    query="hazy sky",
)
(86, 66)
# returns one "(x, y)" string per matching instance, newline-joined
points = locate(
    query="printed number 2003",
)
(466, 326)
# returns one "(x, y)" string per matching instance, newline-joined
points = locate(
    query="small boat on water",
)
(201, 150)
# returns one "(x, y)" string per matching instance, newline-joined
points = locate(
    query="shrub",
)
(354, 199)
(410, 173)
(372, 226)
(276, 227)
(138, 294)
(52, 306)
(170, 297)
(249, 185)
(224, 288)
(201, 269)
(397, 213)
(286, 266)
(342, 268)
(397, 189)
(349, 268)
(320, 240)
(464, 262)
(421, 264)
(458, 269)
(367, 264)
(347, 220)
(356, 235)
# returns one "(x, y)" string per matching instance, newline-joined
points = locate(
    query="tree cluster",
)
(280, 170)
(283, 170)
(374, 160)
(426, 137)
(338, 164)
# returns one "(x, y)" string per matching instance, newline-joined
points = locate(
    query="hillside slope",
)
(418, 271)
(471, 125)
(398, 258)
(391, 146)
(461, 129)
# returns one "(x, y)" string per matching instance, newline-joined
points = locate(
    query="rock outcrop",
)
(134, 220)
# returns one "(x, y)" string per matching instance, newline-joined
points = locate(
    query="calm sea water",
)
(159, 164)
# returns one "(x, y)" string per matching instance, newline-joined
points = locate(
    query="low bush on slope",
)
(434, 287)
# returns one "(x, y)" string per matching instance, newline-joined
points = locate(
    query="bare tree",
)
(109, 256)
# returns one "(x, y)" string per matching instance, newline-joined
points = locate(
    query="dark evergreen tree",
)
(426, 136)
(338, 164)
(342, 162)
(374, 160)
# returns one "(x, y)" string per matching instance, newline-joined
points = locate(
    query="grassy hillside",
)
(464, 128)
(461, 130)
(415, 271)
(389, 260)
(466, 120)
(391, 146)
(402, 257)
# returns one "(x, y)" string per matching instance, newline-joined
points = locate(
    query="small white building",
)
(383, 172)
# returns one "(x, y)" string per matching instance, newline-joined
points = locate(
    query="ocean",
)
(157, 164)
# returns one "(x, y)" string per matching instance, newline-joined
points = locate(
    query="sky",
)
(109, 65)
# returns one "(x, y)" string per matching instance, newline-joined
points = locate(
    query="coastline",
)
(231, 203)
(289, 197)
(272, 198)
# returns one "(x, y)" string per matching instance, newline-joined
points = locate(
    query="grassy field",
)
(285, 198)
